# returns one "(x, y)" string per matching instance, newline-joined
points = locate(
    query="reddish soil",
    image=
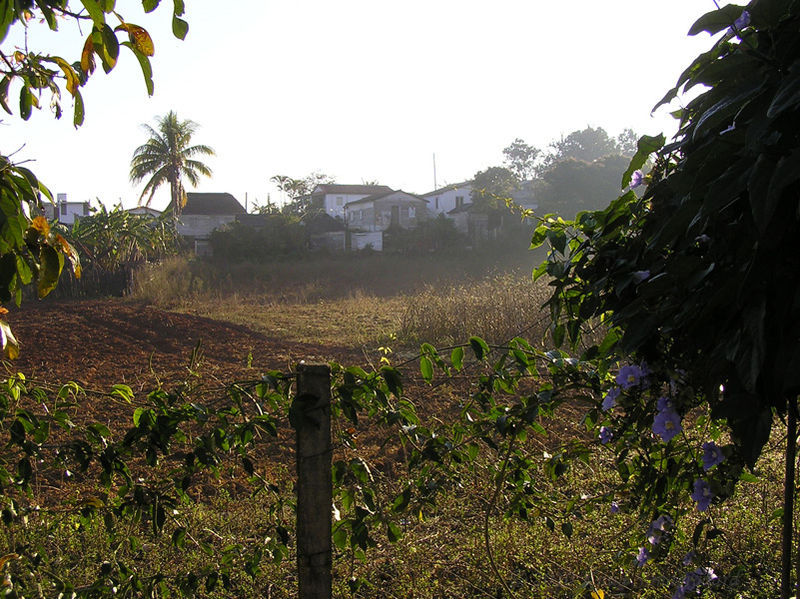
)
(102, 342)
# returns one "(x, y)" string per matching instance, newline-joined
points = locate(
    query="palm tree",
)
(167, 157)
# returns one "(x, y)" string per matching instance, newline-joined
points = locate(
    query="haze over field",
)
(363, 90)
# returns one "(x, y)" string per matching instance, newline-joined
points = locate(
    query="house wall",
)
(201, 225)
(377, 215)
(446, 200)
(334, 203)
(65, 212)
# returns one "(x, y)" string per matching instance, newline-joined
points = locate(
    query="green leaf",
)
(150, 5)
(539, 236)
(23, 271)
(95, 12)
(393, 380)
(179, 537)
(25, 102)
(47, 13)
(51, 264)
(426, 368)
(717, 20)
(558, 335)
(393, 532)
(77, 118)
(110, 48)
(144, 63)
(4, 92)
(179, 28)
(400, 502)
(457, 358)
(479, 346)
(748, 477)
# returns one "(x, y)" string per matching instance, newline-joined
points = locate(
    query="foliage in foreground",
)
(501, 463)
(698, 279)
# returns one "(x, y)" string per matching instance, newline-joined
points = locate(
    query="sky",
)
(361, 90)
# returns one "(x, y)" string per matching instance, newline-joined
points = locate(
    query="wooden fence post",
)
(310, 415)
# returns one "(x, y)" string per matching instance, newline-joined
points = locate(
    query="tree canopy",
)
(168, 157)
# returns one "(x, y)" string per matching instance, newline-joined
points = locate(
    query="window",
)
(339, 201)
(411, 211)
(437, 203)
(63, 208)
(459, 201)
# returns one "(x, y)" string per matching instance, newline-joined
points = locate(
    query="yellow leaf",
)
(40, 224)
(93, 501)
(139, 37)
(598, 594)
(7, 558)
(87, 57)
(19, 56)
(69, 73)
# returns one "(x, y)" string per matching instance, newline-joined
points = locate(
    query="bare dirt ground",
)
(99, 343)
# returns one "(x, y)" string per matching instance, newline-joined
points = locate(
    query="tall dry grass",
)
(497, 308)
(356, 301)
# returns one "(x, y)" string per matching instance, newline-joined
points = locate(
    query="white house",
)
(448, 198)
(333, 197)
(204, 213)
(379, 211)
(63, 211)
(145, 211)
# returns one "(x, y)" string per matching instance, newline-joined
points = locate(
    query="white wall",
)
(447, 199)
(335, 202)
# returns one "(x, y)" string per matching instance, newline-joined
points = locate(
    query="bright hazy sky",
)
(361, 89)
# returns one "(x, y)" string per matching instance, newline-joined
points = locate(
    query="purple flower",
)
(712, 455)
(742, 22)
(614, 507)
(658, 527)
(702, 494)
(667, 424)
(641, 275)
(636, 179)
(610, 400)
(606, 434)
(642, 556)
(629, 376)
(663, 404)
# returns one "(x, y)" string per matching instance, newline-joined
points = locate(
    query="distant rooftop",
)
(350, 189)
(451, 187)
(212, 203)
(383, 194)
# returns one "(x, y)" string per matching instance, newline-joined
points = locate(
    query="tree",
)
(520, 159)
(698, 279)
(627, 142)
(493, 186)
(299, 190)
(30, 250)
(168, 157)
(588, 144)
(576, 185)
